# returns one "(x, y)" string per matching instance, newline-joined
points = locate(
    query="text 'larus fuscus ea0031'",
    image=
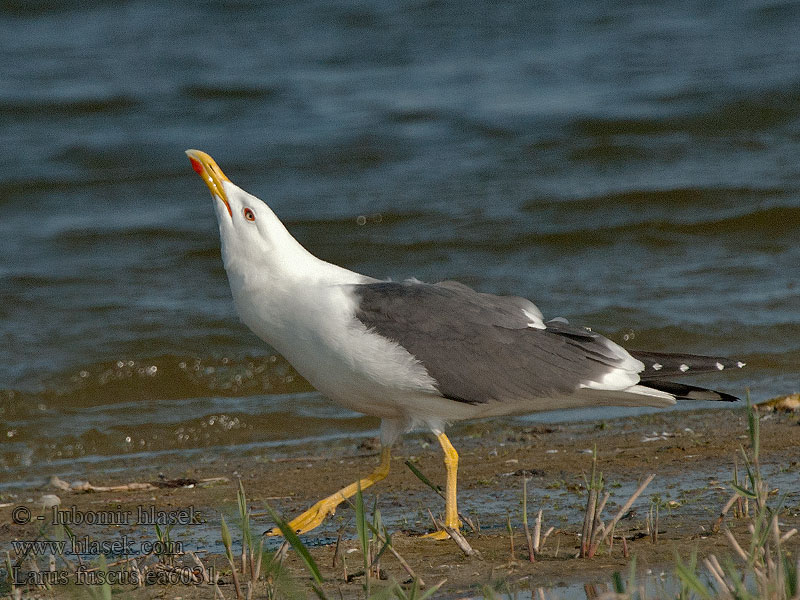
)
(417, 354)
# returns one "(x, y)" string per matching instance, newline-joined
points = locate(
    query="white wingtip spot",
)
(720, 366)
(683, 368)
(657, 366)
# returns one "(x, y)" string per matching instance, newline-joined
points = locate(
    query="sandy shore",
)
(692, 455)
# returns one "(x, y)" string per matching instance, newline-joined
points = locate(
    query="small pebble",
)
(50, 500)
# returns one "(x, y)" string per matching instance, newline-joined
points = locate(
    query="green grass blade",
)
(226, 538)
(754, 429)
(619, 585)
(743, 492)
(790, 576)
(632, 575)
(318, 591)
(383, 549)
(430, 592)
(361, 522)
(424, 479)
(102, 591)
(400, 593)
(524, 501)
(244, 517)
(363, 534)
(377, 521)
(689, 578)
(294, 541)
(736, 577)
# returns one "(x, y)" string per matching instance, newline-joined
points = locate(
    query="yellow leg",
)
(451, 505)
(314, 516)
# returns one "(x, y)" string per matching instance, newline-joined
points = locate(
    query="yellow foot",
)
(310, 519)
(437, 535)
(315, 515)
(442, 533)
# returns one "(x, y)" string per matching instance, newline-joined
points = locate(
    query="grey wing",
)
(482, 348)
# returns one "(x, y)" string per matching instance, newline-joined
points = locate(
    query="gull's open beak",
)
(209, 170)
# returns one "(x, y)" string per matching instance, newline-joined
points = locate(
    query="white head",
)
(253, 239)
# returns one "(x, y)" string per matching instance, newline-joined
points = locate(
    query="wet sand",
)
(692, 455)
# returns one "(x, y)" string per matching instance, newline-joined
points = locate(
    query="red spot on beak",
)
(197, 166)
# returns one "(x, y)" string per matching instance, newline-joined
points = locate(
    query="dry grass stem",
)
(528, 540)
(625, 507)
(785, 537)
(511, 536)
(717, 574)
(544, 538)
(459, 539)
(717, 523)
(735, 545)
(200, 565)
(537, 531)
(588, 522)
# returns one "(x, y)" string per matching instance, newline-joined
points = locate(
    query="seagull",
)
(420, 355)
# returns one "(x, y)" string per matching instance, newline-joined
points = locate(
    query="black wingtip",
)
(658, 365)
(681, 391)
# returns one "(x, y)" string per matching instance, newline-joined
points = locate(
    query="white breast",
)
(312, 324)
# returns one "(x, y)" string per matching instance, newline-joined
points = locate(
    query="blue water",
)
(630, 166)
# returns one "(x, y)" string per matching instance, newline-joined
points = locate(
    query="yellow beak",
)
(209, 170)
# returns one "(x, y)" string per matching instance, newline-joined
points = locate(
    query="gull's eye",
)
(249, 215)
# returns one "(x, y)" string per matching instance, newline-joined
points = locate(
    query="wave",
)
(761, 110)
(673, 212)
(47, 108)
(163, 377)
(37, 8)
(229, 91)
(136, 235)
(168, 377)
(647, 217)
(680, 197)
(606, 218)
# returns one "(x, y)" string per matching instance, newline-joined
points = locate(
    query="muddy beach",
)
(692, 455)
